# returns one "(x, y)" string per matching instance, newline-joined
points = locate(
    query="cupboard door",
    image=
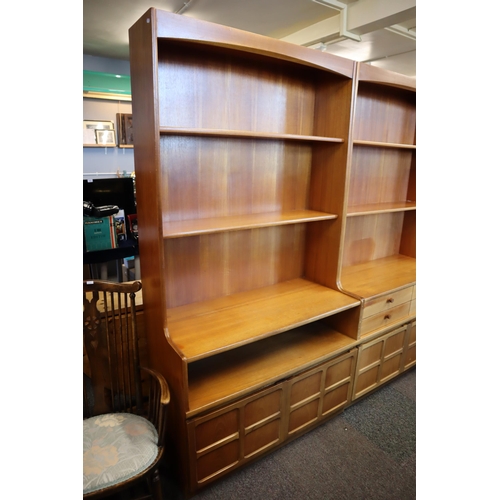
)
(225, 439)
(410, 357)
(320, 392)
(379, 360)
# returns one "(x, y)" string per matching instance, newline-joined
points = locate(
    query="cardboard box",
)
(99, 233)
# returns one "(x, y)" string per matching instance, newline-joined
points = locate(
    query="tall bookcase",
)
(379, 249)
(242, 149)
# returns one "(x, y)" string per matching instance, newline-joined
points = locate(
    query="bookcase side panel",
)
(143, 61)
(333, 110)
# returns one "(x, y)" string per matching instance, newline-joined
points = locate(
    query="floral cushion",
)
(116, 447)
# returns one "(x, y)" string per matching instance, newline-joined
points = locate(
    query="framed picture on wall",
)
(105, 137)
(98, 133)
(125, 130)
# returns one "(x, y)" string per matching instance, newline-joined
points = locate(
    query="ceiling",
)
(380, 32)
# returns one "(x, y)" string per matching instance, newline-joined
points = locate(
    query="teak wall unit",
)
(379, 254)
(242, 147)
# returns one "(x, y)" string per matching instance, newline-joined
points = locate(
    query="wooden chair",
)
(125, 405)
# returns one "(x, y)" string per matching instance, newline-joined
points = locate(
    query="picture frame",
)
(125, 130)
(105, 137)
(99, 133)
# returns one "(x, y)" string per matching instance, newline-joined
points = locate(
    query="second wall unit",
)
(379, 250)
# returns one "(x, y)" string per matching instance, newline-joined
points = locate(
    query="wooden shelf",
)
(379, 276)
(380, 208)
(214, 380)
(378, 144)
(245, 134)
(206, 328)
(179, 229)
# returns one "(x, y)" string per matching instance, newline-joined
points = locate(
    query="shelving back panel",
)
(217, 88)
(372, 237)
(384, 114)
(208, 266)
(215, 177)
(380, 175)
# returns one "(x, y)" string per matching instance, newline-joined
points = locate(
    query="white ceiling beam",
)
(342, 9)
(401, 30)
(366, 16)
(322, 31)
(363, 16)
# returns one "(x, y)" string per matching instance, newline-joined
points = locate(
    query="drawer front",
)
(384, 318)
(387, 302)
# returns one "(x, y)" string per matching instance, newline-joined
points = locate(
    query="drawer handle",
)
(387, 316)
(390, 301)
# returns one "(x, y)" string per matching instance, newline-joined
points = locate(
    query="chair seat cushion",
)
(116, 447)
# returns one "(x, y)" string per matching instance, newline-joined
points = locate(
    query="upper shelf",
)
(206, 328)
(245, 134)
(380, 208)
(183, 228)
(379, 144)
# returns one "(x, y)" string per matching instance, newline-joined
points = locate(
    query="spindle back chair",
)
(124, 404)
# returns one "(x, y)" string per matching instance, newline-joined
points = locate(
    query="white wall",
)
(99, 163)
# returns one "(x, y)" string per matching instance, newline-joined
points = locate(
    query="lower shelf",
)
(212, 381)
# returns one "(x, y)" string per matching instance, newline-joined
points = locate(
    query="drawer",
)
(387, 301)
(384, 318)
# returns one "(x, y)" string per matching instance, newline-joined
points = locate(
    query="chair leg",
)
(155, 485)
